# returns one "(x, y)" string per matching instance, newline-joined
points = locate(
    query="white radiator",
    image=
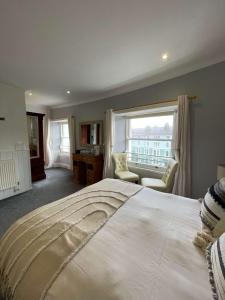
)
(7, 174)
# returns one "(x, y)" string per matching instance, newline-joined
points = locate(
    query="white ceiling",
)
(99, 48)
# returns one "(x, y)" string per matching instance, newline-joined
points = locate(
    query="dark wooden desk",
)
(87, 168)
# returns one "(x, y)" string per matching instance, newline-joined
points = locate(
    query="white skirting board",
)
(23, 172)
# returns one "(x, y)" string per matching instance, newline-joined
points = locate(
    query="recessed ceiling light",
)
(30, 94)
(164, 56)
(68, 92)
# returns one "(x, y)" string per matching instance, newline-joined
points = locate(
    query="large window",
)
(149, 140)
(64, 137)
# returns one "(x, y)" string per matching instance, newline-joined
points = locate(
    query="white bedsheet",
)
(144, 252)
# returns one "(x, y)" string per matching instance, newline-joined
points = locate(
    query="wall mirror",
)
(33, 135)
(91, 133)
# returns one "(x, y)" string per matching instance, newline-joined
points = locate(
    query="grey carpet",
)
(59, 183)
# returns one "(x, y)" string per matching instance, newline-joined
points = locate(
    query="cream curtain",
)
(71, 125)
(182, 148)
(53, 136)
(46, 139)
(109, 140)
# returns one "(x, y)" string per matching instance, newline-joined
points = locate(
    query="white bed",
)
(144, 251)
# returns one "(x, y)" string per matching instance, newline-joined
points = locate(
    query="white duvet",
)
(144, 252)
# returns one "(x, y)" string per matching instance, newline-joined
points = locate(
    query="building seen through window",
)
(149, 140)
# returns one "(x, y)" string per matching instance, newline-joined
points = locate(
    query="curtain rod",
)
(155, 103)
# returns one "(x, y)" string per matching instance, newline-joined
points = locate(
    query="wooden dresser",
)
(87, 168)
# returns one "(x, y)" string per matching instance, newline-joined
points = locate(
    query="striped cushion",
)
(216, 264)
(213, 208)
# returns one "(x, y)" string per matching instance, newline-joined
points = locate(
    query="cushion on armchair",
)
(156, 184)
(126, 175)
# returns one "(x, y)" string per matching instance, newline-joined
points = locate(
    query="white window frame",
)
(63, 149)
(128, 138)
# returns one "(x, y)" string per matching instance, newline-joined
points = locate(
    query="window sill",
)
(159, 170)
(146, 172)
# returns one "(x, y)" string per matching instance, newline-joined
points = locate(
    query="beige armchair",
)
(165, 184)
(121, 168)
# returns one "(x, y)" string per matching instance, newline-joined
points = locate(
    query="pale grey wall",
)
(207, 116)
(14, 136)
(13, 130)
